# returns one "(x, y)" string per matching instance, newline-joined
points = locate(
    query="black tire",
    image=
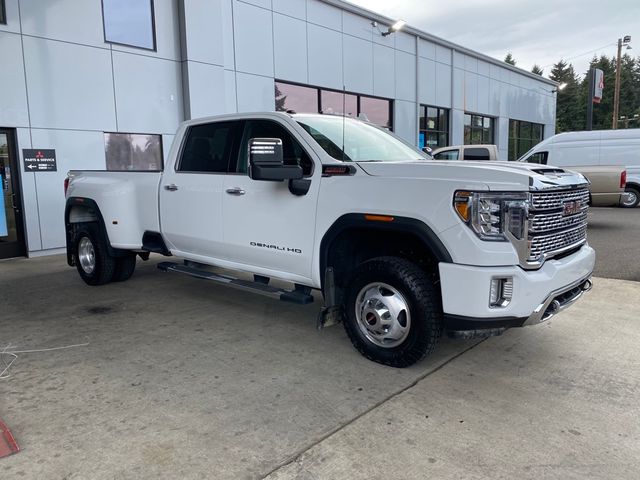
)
(634, 203)
(125, 266)
(422, 297)
(104, 264)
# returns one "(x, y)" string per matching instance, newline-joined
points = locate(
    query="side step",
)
(301, 294)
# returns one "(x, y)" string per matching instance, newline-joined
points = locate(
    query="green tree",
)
(509, 59)
(569, 113)
(537, 70)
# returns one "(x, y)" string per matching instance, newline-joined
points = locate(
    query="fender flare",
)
(90, 204)
(399, 224)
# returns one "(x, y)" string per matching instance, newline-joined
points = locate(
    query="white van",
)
(595, 147)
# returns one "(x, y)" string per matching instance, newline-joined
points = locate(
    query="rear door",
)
(191, 193)
(264, 223)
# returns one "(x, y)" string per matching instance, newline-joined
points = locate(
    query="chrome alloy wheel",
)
(87, 255)
(629, 198)
(383, 315)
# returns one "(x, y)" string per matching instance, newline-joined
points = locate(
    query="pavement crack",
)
(299, 453)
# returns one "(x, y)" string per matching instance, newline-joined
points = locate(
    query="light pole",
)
(625, 41)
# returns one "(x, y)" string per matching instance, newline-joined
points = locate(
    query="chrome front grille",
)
(557, 222)
(551, 200)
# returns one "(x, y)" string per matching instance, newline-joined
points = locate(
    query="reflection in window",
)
(434, 127)
(303, 99)
(523, 136)
(133, 152)
(208, 148)
(338, 103)
(478, 129)
(296, 98)
(129, 22)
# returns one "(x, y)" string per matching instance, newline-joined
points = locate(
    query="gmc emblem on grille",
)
(571, 208)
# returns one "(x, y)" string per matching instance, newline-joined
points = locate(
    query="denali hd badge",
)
(571, 208)
(275, 247)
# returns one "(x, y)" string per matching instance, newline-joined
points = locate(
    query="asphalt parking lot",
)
(615, 234)
(178, 378)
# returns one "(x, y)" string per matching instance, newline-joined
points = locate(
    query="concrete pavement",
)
(182, 378)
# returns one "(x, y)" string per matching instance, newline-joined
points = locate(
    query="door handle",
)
(171, 188)
(235, 191)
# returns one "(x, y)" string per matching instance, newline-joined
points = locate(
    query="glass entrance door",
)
(11, 231)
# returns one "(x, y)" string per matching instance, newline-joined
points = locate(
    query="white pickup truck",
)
(403, 247)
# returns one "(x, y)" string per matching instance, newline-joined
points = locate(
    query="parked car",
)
(466, 152)
(401, 246)
(578, 150)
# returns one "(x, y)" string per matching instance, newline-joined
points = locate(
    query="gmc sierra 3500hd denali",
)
(403, 247)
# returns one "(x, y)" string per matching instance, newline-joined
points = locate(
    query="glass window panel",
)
(447, 155)
(467, 135)
(486, 122)
(467, 119)
(129, 22)
(443, 140)
(536, 131)
(376, 110)
(208, 148)
(130, 151)
(476, 121)
(432, 140)
(432, 118)
(525, 130)
(443, 120)
(423, 120)
(513, 129)
(487, 135)
(512, 152)
(476, 136)
(339, 103)
(296, 98)
(3, 13)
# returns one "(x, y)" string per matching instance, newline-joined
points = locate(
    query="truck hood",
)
(494, 175)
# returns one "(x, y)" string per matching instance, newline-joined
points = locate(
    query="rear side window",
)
(292, 151)
(477, 154)
(447, 155)
(208, 148)
(540, 157)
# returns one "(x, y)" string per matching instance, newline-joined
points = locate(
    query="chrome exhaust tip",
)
(588, 285)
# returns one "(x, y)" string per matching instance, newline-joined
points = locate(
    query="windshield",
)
(362, 142)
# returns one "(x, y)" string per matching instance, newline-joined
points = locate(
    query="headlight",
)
(494, 216)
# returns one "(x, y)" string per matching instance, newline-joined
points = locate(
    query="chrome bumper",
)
(559, 300)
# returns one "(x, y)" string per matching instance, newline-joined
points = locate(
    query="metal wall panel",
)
(68, 85)
(290, 48)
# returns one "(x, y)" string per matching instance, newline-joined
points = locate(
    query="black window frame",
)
(438, 130)
(153, 30)
(238, 128)
(492, 129)
(358, 96)
(517, 139)
(159, 135)
(3, 12)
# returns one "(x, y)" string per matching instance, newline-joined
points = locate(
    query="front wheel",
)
(631, 197)
(393, 312)
(91, 256)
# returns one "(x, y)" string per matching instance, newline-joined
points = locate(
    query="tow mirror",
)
(266, 161)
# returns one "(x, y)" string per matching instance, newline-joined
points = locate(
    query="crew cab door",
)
(191, 192)
(266, 225)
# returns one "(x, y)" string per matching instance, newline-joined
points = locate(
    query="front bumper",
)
(537, 294)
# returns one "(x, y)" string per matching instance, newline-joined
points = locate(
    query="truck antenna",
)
(344, 113)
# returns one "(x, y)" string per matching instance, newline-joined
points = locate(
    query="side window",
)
(477, 154)
(447, 155)
(293, 153)
(208, 148)
(540, 157)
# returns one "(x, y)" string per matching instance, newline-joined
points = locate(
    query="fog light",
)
(500, 292)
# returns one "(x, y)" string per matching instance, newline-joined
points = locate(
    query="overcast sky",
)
(534, 31)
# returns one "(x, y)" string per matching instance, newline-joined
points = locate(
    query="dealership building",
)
(104, 84)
